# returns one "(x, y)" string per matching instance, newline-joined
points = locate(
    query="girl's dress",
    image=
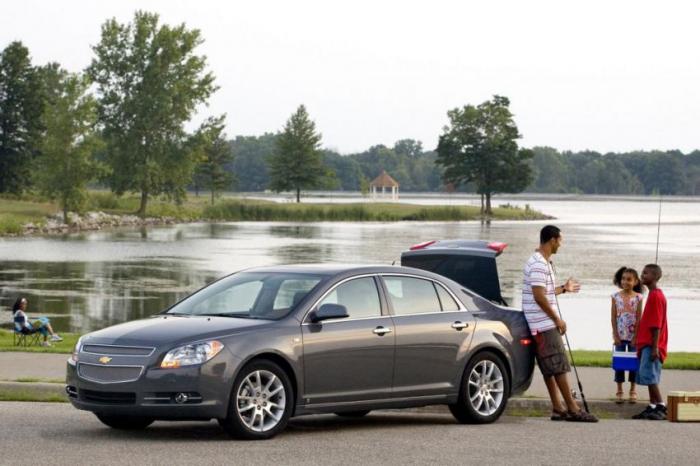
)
(626, 308)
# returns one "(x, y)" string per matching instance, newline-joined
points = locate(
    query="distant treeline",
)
(585, 172)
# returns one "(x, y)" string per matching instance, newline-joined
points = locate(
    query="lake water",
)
(87, 281)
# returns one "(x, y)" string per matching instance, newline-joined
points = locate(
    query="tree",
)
(216, 153)
(297, 162)
(21, 106)
(66, 165)
(480, 146)
(149, 81)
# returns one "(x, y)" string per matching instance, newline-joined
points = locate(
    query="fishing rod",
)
(568, 345)
(658, 232)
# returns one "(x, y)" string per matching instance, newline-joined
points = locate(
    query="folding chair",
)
(23, 336)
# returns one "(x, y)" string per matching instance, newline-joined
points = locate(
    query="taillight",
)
(422, 245)
(498, 247)
(525, 341)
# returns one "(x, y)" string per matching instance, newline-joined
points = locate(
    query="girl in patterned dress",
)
(626, 312)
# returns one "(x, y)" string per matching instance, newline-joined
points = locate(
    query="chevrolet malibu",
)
(260, 346)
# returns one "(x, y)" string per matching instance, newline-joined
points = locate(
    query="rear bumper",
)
(154, 393)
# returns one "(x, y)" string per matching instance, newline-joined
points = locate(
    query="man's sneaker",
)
(659, 413)
(644, 414)
(56, 338)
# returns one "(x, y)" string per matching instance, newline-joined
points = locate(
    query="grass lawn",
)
(65, 346)
(675, 360)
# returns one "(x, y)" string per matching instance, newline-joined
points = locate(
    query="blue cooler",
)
(625, 360)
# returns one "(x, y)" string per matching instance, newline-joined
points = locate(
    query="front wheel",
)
(125, 422)
(484, 391)
(261, 402)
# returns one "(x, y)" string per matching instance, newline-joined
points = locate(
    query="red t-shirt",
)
(654, 316)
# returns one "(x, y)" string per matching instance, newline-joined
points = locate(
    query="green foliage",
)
(65, 165)
(252, 154)
(479, 146)
(20, 117)
(66, 346)
(149, 82)
(214, 154)
(675, 360)
(297, 162)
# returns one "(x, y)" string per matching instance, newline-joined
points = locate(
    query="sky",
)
(580, 74)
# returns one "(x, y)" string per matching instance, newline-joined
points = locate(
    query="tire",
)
(125, 422)
(484, 392)
(354, 413)
(251, 415)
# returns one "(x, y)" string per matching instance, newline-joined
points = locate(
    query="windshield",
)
(250, 295)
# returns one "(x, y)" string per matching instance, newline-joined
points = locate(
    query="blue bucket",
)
(625, 361)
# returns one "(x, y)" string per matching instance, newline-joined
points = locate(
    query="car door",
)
(433, 333)
(349, 359)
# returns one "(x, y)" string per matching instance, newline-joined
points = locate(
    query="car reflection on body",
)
(260, 346)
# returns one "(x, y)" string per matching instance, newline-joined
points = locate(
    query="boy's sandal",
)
(633, 397)
(618, 397)
(581, 416)
(558, 415)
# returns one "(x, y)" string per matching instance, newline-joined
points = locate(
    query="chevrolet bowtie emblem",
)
(105, 359)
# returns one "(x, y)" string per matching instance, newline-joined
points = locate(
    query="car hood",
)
(171, 329)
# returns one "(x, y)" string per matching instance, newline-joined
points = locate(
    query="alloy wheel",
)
(485, 388)
(261, 400)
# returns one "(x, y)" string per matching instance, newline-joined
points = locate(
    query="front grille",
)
(109, 374)
(114, 350)
(108, 398)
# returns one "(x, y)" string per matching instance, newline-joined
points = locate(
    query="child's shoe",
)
(659, 413)
(45, 344)
(644, 414)
(55, 337)
(618, 397)
(633, 397)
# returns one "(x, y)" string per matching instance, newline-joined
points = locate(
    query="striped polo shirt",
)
(538, 272)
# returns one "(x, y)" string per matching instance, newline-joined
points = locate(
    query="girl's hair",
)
(617, 280)
(18, 304)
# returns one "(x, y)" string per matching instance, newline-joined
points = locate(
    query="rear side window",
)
(410, 295)
(359, 296)
(448, 303)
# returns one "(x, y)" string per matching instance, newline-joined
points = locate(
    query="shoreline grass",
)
(680, 360)
(584, 358)
(16, 212)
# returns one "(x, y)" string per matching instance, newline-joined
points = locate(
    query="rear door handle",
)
(459, 325)
(381, 331)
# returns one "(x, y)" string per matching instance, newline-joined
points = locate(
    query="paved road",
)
(55, 433)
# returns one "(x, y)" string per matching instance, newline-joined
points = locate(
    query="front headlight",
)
(188, 355)
(76, 349)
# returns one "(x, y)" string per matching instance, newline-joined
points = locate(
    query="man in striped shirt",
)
(539, 301)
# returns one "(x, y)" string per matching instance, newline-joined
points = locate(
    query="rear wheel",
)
(354, 413)
(261, 402)
(484, 392)
(125, 422)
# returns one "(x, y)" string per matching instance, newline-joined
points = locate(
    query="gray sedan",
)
(260, 346)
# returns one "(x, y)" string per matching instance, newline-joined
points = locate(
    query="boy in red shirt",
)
(652, 341)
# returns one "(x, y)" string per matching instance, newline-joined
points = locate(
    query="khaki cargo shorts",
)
(550, 353)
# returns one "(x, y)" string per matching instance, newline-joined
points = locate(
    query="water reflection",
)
(95, 279)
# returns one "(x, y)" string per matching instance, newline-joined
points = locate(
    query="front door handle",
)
(459, 325)
(381, 331)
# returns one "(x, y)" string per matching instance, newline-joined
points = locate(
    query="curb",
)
(516, 406)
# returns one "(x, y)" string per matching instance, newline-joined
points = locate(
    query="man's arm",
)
(540, 295)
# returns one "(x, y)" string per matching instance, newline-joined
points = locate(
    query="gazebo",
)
(384, 181)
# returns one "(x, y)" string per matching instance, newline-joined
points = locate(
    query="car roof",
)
(344, 269)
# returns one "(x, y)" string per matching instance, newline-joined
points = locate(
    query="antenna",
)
(658, 232)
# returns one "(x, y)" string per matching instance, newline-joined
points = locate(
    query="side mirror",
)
(329, 311)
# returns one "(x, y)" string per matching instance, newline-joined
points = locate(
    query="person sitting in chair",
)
(41, 324)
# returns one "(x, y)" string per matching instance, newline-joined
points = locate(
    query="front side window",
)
(253, 295)
(410, 295)
(359, 296)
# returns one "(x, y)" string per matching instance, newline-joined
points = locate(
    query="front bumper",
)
(154, 394)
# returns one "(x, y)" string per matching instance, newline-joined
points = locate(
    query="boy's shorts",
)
(550, 353)
(649, 372)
